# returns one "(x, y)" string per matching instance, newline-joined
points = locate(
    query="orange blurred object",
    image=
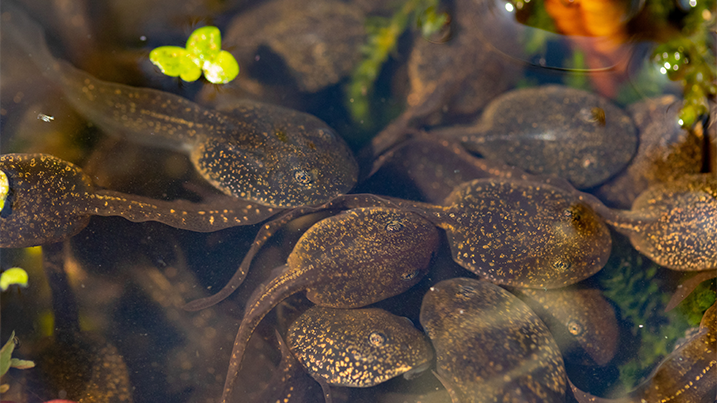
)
(597, 27)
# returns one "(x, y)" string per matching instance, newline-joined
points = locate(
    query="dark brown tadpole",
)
(257, 152)
(490, 346)
(579, 319)
(46, 199)
(358, 348)
(687, 375)
(674, 224)
(553, 130)
(333, 262)
(522, 233)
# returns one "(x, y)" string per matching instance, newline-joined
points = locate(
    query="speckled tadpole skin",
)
(357, 347)
(41, 205)
(687, 375)
(350, 260)
(50, 200)
(524, 234)
(258, 152)
(554, 130)
(679, 223)
(490, 347)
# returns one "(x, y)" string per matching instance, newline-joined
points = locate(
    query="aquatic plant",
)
(695, 305)
(7, 361)
(13, 276)
(631, 283)
(203, 53)
(383, 34)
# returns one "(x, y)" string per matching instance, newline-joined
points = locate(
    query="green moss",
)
(633, 284)
(383, 34)
(695, 305)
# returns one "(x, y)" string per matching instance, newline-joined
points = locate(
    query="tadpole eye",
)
(575, 328)
(377, 339)
(394, 226)
(572, 213)
(561, 265)
(410, 276)
(466, 291)
(302, 176)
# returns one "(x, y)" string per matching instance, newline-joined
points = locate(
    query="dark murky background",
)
(131, 279)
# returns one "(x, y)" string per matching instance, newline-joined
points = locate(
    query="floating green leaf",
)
(222, 69)
(12, 276)
(203, 53)
(205, 43)
(175, 62)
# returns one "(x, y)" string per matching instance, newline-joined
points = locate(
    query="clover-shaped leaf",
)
(203, 53)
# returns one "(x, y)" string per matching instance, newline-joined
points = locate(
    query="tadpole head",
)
(40, 197)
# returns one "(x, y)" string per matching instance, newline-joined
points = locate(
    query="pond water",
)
(103, 315)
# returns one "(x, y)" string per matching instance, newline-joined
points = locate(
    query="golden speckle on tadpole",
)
(50, 200)
(333, 262)
(357, 347)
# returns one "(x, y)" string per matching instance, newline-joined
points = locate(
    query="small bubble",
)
(45, 118)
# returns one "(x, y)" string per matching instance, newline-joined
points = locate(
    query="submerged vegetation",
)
(7, 361)
(634, 285)
(383, 34)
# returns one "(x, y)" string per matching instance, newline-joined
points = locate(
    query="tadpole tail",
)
(269, 229)
(262, 237)
(182, 214)
(278, 289)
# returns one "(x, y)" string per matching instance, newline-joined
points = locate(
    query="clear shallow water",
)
(130, 279)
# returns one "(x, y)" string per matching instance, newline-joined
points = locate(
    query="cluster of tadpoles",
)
(532, 234)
